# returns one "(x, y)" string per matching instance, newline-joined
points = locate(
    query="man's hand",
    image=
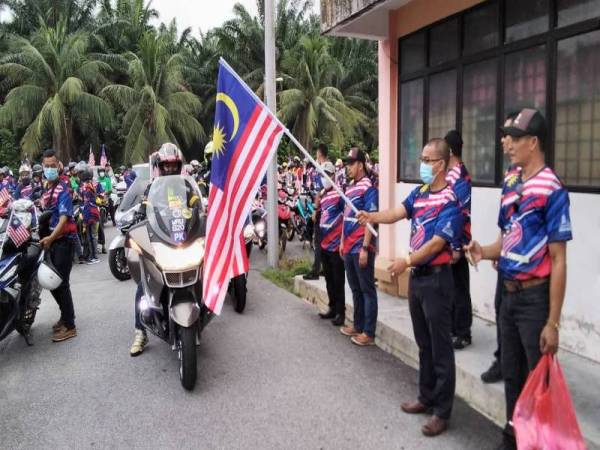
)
(363, 258)
(549, 340)
(46, 242)
(363, 217)
(397, 267)
(473, 249)
(455, 256)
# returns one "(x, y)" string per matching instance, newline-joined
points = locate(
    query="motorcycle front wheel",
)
(117, 262)
(187, 357)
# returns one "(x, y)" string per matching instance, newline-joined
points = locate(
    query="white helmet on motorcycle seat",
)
(48, 276)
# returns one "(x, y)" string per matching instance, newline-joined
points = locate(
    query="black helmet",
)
(37, 170)
(86, 174)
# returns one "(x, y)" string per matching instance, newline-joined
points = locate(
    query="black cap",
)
(355, 155)
(455, 142)
(529, 122)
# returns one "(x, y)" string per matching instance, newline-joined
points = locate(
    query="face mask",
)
(426, 172)
(25, 181)
(51, 173)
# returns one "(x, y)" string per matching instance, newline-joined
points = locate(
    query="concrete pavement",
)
(274, 377)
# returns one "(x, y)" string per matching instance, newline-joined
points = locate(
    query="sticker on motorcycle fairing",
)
(177, 225)
(176, 213)
(187, 213)
(180, 236)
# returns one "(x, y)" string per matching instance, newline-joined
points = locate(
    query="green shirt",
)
(74, 183)
(106, 183)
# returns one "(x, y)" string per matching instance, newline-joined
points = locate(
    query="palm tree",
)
(159, 106)
(122, 26)
(311, 105)
(51, 82)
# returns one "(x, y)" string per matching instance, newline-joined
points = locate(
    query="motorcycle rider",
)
(91, 215)
(169, 161)
(57, 199)
(24, 187)
(37, 182)
(129, 175)
(106, 182)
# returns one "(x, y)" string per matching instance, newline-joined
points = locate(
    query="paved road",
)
(275, 377)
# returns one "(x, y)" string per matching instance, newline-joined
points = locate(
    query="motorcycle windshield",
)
(175, 212)
(134, 195)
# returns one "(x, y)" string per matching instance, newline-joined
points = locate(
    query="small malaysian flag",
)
(103, 160)
(91, 159)
(4, 196)
(17, 232)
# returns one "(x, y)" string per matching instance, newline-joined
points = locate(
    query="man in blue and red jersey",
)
(358, 250)
(331, 221)
(57, 199)
(459, 179)
(435, 222)
(535, 226)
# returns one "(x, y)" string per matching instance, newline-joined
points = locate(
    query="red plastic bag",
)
(544, 417)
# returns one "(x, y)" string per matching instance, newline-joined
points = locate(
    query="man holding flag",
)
(245, 138)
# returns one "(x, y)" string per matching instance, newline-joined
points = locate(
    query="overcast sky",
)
(202, 14)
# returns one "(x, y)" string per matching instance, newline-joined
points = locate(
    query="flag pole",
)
(271, 101)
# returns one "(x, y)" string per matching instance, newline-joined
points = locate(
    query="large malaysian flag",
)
(245, 138)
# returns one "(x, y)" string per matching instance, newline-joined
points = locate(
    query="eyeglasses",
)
(429, 160)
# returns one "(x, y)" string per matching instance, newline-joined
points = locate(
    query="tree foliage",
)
(81, 72)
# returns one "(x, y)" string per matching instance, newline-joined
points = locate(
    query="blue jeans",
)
(92, 236)
(364, 294)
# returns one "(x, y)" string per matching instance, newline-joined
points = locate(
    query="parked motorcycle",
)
(304, 210)
(20, 288)
(125, 217)
(165, 254)
(259, 220)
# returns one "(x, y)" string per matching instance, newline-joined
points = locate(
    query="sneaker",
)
(93, 261)
(349, 331)
(103, 250)
(64, 333)
(460, 342)
(139, 342)
(57, 326)
(363, 340)
(493, 374)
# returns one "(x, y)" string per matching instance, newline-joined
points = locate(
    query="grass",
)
(288, 269)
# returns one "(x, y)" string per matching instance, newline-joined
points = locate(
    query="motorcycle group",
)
(160, 210)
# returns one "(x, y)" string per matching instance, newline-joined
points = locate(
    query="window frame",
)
(549, 38)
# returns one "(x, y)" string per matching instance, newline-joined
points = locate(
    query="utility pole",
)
(270, 95)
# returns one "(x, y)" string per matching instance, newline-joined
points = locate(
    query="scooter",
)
(165, 256)
(20, 289)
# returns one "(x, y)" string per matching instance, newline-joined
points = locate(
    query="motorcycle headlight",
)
(124, 218)
(169, 258)
(248, 231)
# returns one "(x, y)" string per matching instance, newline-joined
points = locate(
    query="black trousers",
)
(430, 303)
(462, 311)
(61, 255)
(335, 277)
(111, 210)
(316, 268)
(523, 315)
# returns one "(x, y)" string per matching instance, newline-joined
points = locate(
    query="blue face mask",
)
(51, 173)
(426, 172)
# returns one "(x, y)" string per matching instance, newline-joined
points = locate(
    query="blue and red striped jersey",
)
(533, 214)
(57, 199)
(332, 219)
(459, 179)
(433, 214)
(364, 197)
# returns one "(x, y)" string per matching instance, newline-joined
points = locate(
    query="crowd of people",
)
(529, 254)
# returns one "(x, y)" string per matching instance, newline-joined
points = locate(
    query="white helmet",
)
(195, 163)
(208, 149)
(48, 277)
(24, 168)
